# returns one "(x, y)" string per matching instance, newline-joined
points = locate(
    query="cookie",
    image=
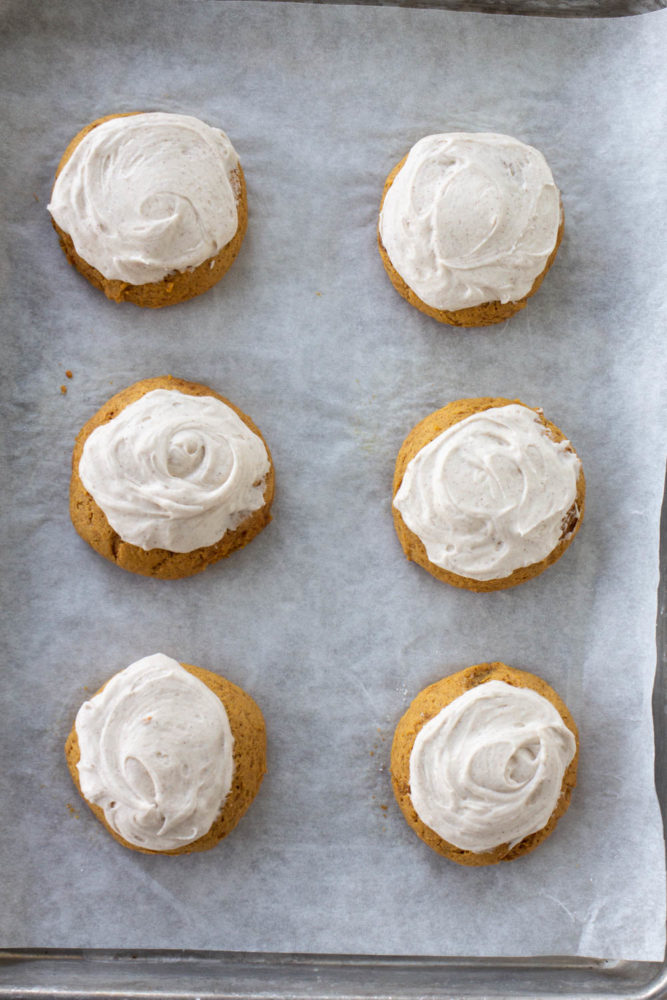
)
(168, 756)
(169, 477)
(483, 764)
(487, 493)
(469, 225)
(151, 208)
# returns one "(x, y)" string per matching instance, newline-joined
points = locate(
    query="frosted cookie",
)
(487, 493)
(484, 762)
(469, 225)
(169, 477)
(151, 208)
(168, 756)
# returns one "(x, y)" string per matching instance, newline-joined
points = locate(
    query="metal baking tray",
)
(541, 8)
(187, 975)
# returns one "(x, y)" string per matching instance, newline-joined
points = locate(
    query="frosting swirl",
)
(491, 493)
(156, 754)
(488, 768)
(471, 218)
(145, 195)
(175, 471)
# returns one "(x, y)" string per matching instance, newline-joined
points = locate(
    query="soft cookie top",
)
(471, 218)
(145, 195)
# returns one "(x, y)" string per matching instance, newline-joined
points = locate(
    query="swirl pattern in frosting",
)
(145, 195)
(491, 493)
(488, 768)
(175, 471)
(471, 218)
(156, 754)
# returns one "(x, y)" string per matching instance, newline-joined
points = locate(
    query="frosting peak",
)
(470, 218)
(156, 754)
(145, 195)
(488, 768)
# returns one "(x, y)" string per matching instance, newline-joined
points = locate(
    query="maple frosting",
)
(174, 471)
(488, 768)
(156, 754)
(471, 218)
(490, 494)
(145, 195)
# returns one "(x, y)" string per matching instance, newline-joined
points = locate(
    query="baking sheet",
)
(321, 618)
(541, 8)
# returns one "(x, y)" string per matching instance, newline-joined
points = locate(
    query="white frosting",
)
(490, 494)
(156, 754)
(174, 471)
(488, 768)
(470, 218)
(146, 195)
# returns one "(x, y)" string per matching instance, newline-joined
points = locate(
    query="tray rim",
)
(522, 8)
(186, 975)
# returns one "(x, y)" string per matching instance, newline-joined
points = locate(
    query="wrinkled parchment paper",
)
(321, 618)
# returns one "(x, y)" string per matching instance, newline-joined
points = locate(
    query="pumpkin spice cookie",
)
(487, 493)
(168, 478)
(150, 207)
(168, 756)
(484, 762)
(469, 225)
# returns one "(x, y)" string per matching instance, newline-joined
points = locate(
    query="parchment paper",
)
(321, 618)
